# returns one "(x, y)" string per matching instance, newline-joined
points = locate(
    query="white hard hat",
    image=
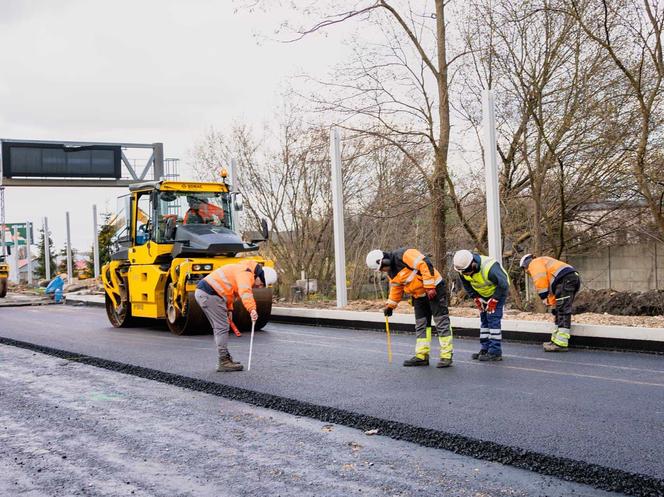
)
(462, 259)
(375, 260)
(524, 260)
(270, 275)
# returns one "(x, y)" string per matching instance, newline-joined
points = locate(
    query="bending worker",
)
(215, 294)
(556, 283)
(487, 283)
(410, 272)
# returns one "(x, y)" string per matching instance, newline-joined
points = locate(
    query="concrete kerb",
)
(583, 335)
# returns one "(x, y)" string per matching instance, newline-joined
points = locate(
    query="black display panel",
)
(52, 160)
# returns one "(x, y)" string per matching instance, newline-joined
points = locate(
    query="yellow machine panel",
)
(147, 284)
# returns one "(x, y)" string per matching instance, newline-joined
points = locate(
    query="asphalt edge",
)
(601, 477)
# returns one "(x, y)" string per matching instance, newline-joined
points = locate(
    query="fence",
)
(634, 268)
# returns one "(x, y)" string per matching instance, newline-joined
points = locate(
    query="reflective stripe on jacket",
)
(411, 272)
(543, 270)
(480, 281)
(235, 279)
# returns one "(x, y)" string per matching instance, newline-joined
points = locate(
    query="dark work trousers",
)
(565, 292)
(425, 310)
(491, 335)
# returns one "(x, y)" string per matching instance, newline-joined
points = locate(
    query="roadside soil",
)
(602, 302)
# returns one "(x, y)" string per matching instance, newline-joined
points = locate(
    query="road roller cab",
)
(170, 235)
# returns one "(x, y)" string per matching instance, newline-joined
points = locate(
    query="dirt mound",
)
(650, 303)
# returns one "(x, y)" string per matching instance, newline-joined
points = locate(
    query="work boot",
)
(552, 347)
(477, 355)
(490, 357)
(416, 361)
(227, 365)
(444, 363)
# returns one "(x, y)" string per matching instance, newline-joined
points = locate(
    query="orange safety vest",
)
(543, 270)
(235, 279)
(413, 279)
(207, 213)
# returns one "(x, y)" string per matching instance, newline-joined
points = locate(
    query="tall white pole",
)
(95, 244)
(47, 251)
(28, 242)
(17, 259)
(235, 215)
(491, 173)
(70, 272)
(338, 217)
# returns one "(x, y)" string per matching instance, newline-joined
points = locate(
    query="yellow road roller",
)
(170, 235)
(4, 276)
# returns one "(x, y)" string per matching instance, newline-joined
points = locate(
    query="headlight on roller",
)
(207, 267)
(196, 267)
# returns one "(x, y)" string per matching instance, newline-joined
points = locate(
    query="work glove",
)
(431, 293)
(491, 306)
(479, 304)
(230, 316)
(388, 311)
(254, 315)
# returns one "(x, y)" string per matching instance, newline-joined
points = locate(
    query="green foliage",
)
(41, 265)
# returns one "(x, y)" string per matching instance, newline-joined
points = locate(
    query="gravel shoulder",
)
(71, 429)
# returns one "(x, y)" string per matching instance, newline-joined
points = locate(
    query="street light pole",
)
(338, 216)
(491, 174)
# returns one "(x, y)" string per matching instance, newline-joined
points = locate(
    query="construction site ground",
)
(588, 416)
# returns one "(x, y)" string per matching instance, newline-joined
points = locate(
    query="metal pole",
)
(70, 275)
(17, 259)
(491, 173)
(95, 244)
(47, 251)
(235, 188)
(158, 164)
(28, 242)
(338, 217)
(2, 218)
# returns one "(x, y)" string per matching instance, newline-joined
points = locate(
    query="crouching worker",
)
(487, 283)
(410, 272)
(556, 283)
(56, 287)
(215, 294)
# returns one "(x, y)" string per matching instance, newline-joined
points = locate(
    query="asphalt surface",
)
(604, 408)
(72, 429)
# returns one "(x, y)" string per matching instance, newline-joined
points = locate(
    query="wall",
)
(634, 268)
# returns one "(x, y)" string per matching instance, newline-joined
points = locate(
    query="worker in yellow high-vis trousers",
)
(411, 272)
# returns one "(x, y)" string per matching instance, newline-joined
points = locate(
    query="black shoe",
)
(490, 357)
(226, 364)
(416, 361)
(477, 355)
(444, 363)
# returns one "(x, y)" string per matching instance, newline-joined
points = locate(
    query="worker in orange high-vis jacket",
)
(556, 283)
(215, 294)
(411, 272)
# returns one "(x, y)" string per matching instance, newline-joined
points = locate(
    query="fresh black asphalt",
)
(601, 408)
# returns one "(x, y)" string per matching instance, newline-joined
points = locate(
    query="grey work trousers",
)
(216, 310)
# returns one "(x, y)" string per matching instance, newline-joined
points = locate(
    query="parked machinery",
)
(170, 235)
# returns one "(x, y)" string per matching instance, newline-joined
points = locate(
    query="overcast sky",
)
(136, 71)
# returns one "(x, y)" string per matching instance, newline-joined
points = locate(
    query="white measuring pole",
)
(47, 251)
(28, 242)
(338, 217)
(95, 244)
(251, 344)
(235, 187)
(70, 272)
(491, 173)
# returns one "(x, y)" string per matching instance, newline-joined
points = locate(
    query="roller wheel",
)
(263, 297)
(3, 287)
(119, 317)
(194, 323)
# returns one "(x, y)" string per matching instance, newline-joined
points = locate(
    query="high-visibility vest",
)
(414, 276)
(543, 271)
(235, 279)
(480, 280)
